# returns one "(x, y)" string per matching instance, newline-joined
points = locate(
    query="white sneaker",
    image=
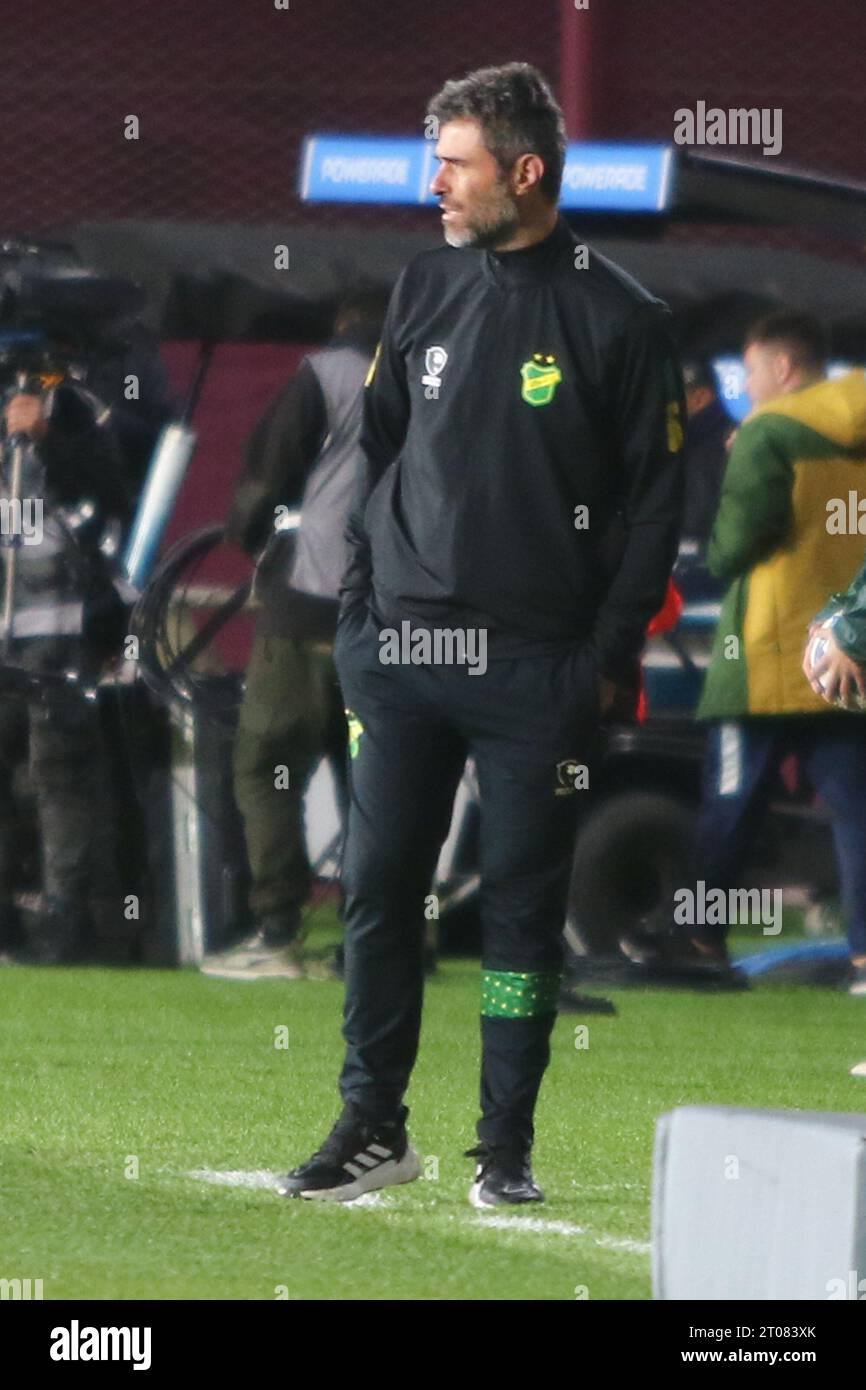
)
(858, 980)
(256, 959)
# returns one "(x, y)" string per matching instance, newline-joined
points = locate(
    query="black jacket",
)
(560, 391)
(706, 459)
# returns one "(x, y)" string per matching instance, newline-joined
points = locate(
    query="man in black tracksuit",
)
(515, 531)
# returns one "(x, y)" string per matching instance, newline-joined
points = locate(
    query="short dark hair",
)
(366, 302)
(801, 335)
(517, 112)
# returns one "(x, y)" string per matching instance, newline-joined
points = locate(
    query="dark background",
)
(226, 89)
(225, 92)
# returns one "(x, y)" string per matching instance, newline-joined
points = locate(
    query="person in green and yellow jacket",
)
(786, 537)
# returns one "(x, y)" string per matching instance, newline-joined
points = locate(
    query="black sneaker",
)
(679, 960)
(502, 1177)
(358, 1156)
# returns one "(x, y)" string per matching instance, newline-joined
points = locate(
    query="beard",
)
(491, 222)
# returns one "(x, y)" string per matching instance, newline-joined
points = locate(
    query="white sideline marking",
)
(538, 1226)
(256, 1177)
(635, 1247)
(263, 1179)
(608, 1186)
(532, 1225)
(369, 1199)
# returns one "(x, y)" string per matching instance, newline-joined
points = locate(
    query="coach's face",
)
(478, 206)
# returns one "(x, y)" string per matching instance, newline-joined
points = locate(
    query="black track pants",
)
(529, 724)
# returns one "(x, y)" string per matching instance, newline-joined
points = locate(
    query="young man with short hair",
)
(800, 451)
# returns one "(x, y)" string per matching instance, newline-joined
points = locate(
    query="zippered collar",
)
(531, 264)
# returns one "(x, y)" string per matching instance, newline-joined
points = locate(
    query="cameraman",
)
(71, 475)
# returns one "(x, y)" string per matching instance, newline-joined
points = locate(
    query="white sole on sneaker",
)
(476, 1200)
(270, 972)
(389, 1174)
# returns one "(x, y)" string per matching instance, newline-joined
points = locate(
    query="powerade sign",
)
(384, 169)
(346, 169)
(617, 178)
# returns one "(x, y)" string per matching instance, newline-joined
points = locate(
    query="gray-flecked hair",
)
(517, 112)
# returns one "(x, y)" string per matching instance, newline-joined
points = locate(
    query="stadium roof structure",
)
(711, 188)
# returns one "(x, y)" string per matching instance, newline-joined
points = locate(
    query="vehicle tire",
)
(631, 855)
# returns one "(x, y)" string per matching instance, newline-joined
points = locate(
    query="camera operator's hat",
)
(698, 371)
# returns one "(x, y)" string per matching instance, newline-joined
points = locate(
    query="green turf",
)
(180, 1072)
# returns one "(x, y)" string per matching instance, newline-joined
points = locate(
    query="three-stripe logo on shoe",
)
(371, 1157)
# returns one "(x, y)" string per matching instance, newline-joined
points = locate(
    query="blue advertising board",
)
(399, 169)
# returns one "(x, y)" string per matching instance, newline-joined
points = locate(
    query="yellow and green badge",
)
(356, 728)
(541, 376)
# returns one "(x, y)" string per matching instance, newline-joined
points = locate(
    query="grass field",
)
(174, 1076)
